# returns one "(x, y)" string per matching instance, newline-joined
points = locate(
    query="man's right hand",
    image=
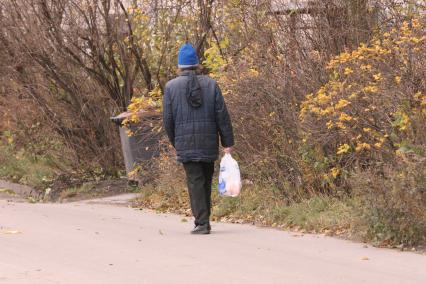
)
(227, 150)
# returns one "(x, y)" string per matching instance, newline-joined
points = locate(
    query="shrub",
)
(373, 106)
(393, 204)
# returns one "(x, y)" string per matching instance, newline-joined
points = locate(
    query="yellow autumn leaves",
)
(150, 102)
(343, 149)
(342, 103)
(366, 98)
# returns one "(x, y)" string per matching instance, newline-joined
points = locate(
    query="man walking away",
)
(195, 116)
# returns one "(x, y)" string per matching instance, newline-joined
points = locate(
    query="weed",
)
(22, 167)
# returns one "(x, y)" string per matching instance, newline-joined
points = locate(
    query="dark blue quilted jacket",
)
(194, 128)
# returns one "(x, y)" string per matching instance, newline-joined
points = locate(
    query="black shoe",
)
(201, 230)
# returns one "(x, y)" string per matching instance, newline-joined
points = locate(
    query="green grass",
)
(7, 191)
(316, 214)
(261, 206)
(264, 207)
(22, 167)
(85, 189)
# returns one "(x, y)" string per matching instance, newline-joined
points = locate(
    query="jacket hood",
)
(194, 94)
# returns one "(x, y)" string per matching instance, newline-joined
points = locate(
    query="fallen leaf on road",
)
(10, 232)
(160, 232)
(365, 258)
(184, 220)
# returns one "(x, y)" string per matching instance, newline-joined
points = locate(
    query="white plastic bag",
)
(229, 177)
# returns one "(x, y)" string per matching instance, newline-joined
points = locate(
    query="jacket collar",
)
(188, 72)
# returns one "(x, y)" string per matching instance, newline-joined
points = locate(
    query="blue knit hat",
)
(187, 56)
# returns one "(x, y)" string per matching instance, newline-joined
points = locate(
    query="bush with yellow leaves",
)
(373, 108)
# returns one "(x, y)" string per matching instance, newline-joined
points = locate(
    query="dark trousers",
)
(199, 177)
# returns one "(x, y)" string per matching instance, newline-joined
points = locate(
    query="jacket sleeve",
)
(168, 120)
(223, 120)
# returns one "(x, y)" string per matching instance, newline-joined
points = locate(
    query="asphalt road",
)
(105, 241)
